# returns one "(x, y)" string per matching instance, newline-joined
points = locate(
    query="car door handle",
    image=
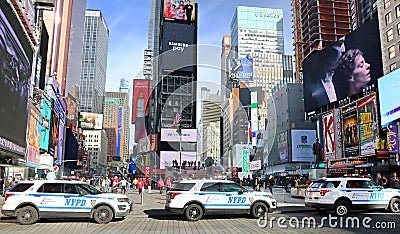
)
(67, 196)
(228, 194)
(370, 191)
(36, 195)
(348, 191)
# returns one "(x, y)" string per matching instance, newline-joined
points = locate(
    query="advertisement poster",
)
(141, 94)
(326, 72)
(15, 72)
(283, 148)
(351, 139)
(392, 138)
(167, 158)
(328, 124)
(245, 160)
(34, 139)
(90, 121)
(180, 11)
(54, 123)
(179, 50)
(302, 141)
(242, 69)
(367, 125)
(45, 124)
(389, 86)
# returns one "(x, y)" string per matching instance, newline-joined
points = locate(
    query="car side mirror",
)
(380, 187)
(241, 192)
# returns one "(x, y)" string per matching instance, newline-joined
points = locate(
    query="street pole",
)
(180, 152)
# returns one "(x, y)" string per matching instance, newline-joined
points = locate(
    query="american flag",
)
(178, 117)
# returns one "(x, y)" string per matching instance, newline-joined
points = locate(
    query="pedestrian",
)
(394, 181)
(380, 180)
(160, 184)
(271, 183)
(140, 185)
(108, 182)
(168, 183)
(123, 183)
(115, 184)
(128, 184)
(134, 183)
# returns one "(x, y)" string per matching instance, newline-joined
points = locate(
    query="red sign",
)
(235, 172)
(153, 142)
(147, 171)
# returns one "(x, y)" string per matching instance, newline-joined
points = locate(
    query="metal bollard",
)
(284, 195)
(141, 198)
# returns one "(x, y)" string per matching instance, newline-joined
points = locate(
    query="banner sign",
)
(245, 160)
(351, 139)
(367, 124)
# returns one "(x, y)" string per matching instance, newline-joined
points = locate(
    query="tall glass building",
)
(94, 63)
(256, 29)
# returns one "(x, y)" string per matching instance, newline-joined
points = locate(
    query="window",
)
(231, 187)
(183, 186)
(211, 187)
(392, 52)
(50, 188)
(388, 18)
(392, 67)
(70, 188)
(21, 187)
(398, 11)
(386, 4)
(389, 35)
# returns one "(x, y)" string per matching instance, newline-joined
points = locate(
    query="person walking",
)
(160, 184)
(140, 185)
(168, 183)
(271, 183)
(134, 183)
(123, 183)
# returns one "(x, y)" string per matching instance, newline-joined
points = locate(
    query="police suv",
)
(344, 194)
(31, 200)
(195, 198)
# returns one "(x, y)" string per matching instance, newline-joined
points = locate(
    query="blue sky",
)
(128, 24)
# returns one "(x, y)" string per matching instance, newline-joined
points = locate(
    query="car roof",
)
(343, 178)
(50, 181)
(206, 181)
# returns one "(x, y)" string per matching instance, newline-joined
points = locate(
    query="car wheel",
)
(259, 209)
(27, 215)
(194, 212)
(394, 205)
(342, 208)
(103, 214)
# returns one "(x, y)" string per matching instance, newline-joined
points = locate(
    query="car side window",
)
(70, 188)
(231, 188)
(211, 187)
(356, 184)
(50, 188)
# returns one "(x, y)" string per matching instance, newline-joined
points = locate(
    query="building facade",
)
(96, 145)
(94, 62)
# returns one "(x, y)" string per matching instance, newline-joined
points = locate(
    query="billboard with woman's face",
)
(344, 68)
(15, 72)
(180, 11)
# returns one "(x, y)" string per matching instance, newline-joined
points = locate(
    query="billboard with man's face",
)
(241, 69)
(90, 121)
(15, 72)
(179, 10)
(344, 68)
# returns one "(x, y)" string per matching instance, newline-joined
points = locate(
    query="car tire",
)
(27, 215)
(394, 205)
(103, 214)
(259, 209)
(194, 212)
(342, 208)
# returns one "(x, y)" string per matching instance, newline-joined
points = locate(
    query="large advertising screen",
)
(166, 158)
(141, 94)
(90, 121)
(351, 138)
(389, 98)
(179, 50)
(179, 11)
(45, 124)
(283, 148)
(34, 139)
(15, 72)
(241, 69)
(344, 68)
(170, 134)
(367, 123)
(302, 141)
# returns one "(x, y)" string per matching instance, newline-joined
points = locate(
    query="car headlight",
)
(123, 200)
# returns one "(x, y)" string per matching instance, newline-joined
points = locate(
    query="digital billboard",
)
(351, 138)
(54, 125)
(141, 94)
(302, 141)
(179, 50)
(166, 158)
(90, 121)
(34, 138)
(367, 123)
(179, 11)
(45, 124)
(15, 72)
(283, 147)
(329, 127)
(344, 68)
(389, 99)
(241, 69)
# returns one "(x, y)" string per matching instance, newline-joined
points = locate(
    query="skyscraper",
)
(256, 29)
(94, 62)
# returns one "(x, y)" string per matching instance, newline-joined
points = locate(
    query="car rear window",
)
(50, 188)
(183, 186)
(21, 187)
(317, 184)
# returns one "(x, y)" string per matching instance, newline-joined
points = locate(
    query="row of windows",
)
(388, 16)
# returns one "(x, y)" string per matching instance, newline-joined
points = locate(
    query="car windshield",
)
(89, 189)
